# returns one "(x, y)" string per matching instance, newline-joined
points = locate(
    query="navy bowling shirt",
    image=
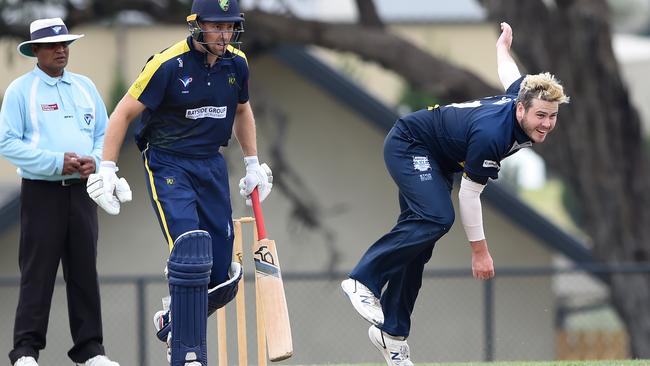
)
(190, 106)
(473, 136)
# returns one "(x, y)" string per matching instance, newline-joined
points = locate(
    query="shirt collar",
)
(518, 133)
(51, 80)
(521, 140)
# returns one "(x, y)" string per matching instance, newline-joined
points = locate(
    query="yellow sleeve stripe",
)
(238, 52)
(140, 84)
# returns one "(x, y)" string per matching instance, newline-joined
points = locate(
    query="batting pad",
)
(189, 274)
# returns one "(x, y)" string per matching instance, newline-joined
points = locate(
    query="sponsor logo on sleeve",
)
(207, 112)
(491, 164)
(49, 107)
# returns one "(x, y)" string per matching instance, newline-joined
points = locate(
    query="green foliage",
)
(548, 201)
(416, 99)
(572, 205)
(118, 89)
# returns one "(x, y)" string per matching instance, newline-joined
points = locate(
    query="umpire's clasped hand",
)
(107, 190)
(256, 175)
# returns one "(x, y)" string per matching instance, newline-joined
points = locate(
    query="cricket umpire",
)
(191, 97)
(52, 127)
(422, 152)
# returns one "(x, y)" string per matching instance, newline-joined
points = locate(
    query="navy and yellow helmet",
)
(220, 11)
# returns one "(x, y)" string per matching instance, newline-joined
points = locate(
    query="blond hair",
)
(542, 86)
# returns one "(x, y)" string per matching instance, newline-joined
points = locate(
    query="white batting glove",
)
(256, 176)
(107, 190)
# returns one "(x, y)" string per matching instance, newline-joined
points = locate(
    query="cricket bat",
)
(271, 290)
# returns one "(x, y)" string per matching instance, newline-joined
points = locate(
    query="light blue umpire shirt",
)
(43, 117)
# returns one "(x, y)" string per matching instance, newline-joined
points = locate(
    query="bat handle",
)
(257, 211)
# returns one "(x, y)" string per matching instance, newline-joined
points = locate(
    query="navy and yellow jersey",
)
(473, 136)
(190, 106)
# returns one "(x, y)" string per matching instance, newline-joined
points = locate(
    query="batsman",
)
(422, 152)
(190, 98)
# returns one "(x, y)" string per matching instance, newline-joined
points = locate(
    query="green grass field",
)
(551, 363)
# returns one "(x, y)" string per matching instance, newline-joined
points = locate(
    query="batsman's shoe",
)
(99, 360)
(394, 349)
(364, 301)
(161, 321)
(162, 324)
(26, 361)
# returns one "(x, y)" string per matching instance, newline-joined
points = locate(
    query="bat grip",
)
(257, 211)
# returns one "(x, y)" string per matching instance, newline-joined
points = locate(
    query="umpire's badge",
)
(170, 181)
(88, 118)
(421, 163)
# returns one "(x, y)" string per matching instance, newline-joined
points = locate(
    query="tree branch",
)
(368, 16)
(393, 52)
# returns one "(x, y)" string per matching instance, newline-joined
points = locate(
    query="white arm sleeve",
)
(508, 73)
(471, 215)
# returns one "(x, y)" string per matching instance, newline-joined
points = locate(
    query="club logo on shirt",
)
(185, 81)
(170, 181)
(491, 164)
(232, 80)
(207, 112)
(224, 4)
(49, 107)
(421, 163)
(88, 118)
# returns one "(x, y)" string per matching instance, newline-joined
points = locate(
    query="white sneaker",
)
(161, 320)
(169, 347)
(26, 361)
(394, 349)
(100, 360)
(364, 301)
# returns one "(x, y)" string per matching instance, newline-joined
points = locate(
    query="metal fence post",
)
(140, 308)
(488, 298)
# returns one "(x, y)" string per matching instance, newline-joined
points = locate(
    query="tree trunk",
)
(598, 144)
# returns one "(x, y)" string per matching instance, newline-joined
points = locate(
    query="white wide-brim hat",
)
(51, 30)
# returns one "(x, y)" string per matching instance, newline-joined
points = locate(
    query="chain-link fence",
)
(521, 314)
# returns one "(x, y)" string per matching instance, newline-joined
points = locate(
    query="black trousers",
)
(58, 224)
